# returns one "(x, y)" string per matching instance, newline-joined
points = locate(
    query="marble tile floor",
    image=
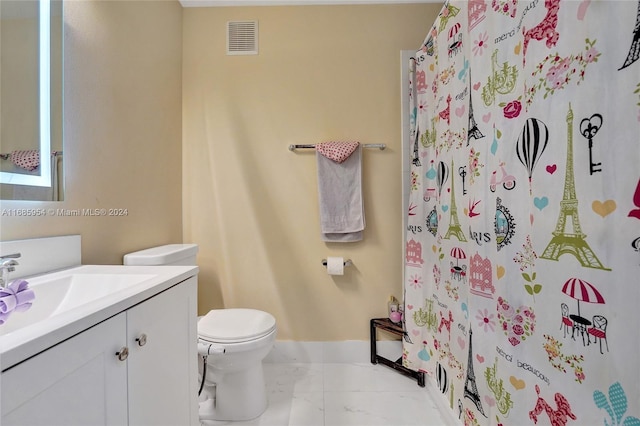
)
(345, 394)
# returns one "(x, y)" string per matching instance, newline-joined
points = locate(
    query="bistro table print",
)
(582, 291)
(580, 325)
(458, 272)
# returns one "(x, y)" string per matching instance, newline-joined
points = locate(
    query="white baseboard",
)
(331, 352)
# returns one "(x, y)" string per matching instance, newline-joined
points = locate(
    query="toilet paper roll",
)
(335, 266)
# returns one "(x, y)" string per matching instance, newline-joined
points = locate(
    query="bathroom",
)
(192, 143)
(216, 170)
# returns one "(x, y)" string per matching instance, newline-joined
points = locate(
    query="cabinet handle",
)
(142, 340)
(123, 353)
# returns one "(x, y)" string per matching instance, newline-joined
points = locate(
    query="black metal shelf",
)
(388, 326)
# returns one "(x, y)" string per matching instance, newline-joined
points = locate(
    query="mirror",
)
(31, 100)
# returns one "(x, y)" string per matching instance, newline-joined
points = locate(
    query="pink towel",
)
(26, 159)
(337, 151)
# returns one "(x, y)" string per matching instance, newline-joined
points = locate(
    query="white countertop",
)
(30, 340)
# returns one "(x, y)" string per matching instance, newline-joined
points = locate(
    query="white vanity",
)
(103, 345)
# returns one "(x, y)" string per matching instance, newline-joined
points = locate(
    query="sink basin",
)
(59, 293)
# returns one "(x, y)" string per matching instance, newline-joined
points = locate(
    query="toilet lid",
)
(235, 325)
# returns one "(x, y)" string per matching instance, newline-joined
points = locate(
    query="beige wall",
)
(122, 129)
(323, 73)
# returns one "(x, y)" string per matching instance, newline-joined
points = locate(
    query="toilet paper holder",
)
(347, 262)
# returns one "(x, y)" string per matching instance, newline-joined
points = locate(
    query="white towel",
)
(340, 198)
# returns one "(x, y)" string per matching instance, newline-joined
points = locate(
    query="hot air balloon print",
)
(531, 144)
(443, 175)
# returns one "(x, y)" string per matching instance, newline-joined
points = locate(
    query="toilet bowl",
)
(231, 346)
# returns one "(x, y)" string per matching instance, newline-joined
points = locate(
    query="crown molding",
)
(221, 3)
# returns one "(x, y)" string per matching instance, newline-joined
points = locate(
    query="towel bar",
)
(380, 146)
(346, 262)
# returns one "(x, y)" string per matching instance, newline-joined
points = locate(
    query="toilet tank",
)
(170, 254)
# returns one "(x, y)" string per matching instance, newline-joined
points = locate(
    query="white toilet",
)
(231, 344)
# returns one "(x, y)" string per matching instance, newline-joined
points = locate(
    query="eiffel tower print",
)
(454, 224)
(470, 388)
(416, 151)
(474, 131)
(634, 50)
(570, 242)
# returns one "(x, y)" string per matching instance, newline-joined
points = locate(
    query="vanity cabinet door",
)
(161, 335)
(79, 382)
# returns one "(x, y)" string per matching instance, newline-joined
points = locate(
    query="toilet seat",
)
(235, 325)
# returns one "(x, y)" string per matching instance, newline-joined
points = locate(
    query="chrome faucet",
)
(7, 264)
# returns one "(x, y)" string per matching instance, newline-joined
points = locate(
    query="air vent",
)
(242, 38)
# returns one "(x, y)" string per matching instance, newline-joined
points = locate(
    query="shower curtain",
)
(522, 260)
